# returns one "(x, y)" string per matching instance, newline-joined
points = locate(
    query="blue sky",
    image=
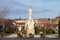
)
(41, 8)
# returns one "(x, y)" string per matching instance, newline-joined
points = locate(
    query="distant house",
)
(41, 22)
(57, 19)
(19, 23)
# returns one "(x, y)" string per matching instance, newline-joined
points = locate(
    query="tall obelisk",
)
(30, 29)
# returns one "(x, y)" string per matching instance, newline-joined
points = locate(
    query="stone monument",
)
(30, 24)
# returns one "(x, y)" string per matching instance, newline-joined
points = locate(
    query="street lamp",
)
(4, 12)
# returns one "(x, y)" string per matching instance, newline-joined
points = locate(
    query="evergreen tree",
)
(59, 28)
(36, 30)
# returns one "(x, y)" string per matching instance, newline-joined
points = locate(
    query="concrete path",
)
(11, 36)
(46, 36)
(50, 36)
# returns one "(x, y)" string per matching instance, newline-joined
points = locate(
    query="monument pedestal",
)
(30, 32)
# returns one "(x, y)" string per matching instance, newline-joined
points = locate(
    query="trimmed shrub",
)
(59, 29)
(36, 30)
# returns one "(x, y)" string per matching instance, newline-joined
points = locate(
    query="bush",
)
(1, 29)
(36, 30)
(2, 34)
(59, 29)
(48, 31)
(19, 34)
(9, 30)
(24, 32)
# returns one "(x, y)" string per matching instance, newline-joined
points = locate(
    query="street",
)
(29, 38)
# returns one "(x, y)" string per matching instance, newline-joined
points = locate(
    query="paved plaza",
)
(15, 37)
